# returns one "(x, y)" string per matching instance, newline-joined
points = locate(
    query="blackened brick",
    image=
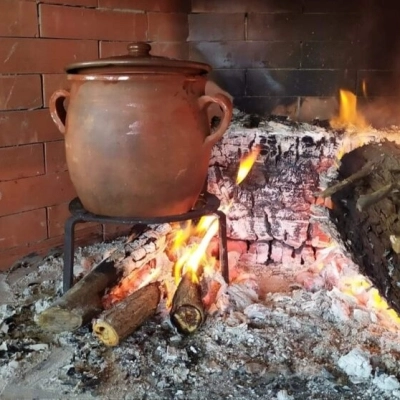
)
(330, 55)
(301, 27)
(267, 105)
(247, 54)
(231, 80)
(379, 83)
(216, 27)
(266, 6)
(264, 82)
(147, 5)
(336, 6)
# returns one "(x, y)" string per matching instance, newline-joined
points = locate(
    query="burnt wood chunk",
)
(187, 312)
(82, 302)
(115, 324)
(366, 214)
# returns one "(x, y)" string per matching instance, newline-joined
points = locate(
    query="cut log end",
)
(187, 312)
(115, 324)
(81, 303)
(187, 318)
(56, 320)
(105, 333)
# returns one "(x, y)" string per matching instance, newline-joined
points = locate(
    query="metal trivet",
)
(207, 205)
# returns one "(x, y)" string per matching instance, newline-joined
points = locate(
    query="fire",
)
(348, 114)
(195, 256)
(247, 163)
(187, 249)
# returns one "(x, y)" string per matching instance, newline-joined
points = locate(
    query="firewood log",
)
(118, 322)
(82, 302)
(187, 312)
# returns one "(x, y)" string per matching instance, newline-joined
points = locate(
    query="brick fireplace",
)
(283, 57)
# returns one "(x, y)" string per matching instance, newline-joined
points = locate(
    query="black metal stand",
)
(208, 205)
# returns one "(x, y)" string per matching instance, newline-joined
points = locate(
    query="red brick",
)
(53, 82)
(55, 156)
(18, 18)
(22, 228)
(36, 192)
(20, 92)
(178, 50)
(23, 127)
(21, 161)
(86, 3)
(147, 5)
(209, 26)
(83, 237)
(80, 23)
(112, 231)
(57, 215)
(43, 56)
(167, 26)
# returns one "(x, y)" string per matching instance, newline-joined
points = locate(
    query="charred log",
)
(82, 302)
(273, 203)
(115, 324)
(366, 214)
(187, 312)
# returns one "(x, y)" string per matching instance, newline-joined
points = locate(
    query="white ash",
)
(275, 345)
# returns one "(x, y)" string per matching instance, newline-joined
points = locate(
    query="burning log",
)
(187, 312)
(82, 302)
(115, 324)
(273, 202)
(366, 215)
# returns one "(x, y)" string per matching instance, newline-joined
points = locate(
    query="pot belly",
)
(141, 159)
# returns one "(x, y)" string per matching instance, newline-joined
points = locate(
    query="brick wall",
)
(37, 39)
(275, 56)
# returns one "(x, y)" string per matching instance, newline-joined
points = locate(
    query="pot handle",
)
(226, 105)
(57, 109)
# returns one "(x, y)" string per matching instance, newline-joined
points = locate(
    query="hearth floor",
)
(292, 345)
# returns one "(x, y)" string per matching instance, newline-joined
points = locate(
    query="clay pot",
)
(137, 135)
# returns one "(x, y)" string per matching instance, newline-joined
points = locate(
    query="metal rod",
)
(69, 237)
(223, 246)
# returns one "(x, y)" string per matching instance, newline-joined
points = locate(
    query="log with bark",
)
(82, 302)
(366, 214)
(187, 311)
(115, 324)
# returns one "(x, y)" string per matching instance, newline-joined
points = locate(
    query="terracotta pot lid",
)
(138, 60)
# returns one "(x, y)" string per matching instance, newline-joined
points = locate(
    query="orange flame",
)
(190, 257)
(246, 164)
(348, 114)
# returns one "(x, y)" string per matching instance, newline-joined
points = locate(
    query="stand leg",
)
(223, 246)
(69, 237)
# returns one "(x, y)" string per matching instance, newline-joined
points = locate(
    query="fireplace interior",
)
(282, 283)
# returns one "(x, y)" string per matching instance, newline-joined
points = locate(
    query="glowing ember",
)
(188, 247)
(348, 114)
(246, 164)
